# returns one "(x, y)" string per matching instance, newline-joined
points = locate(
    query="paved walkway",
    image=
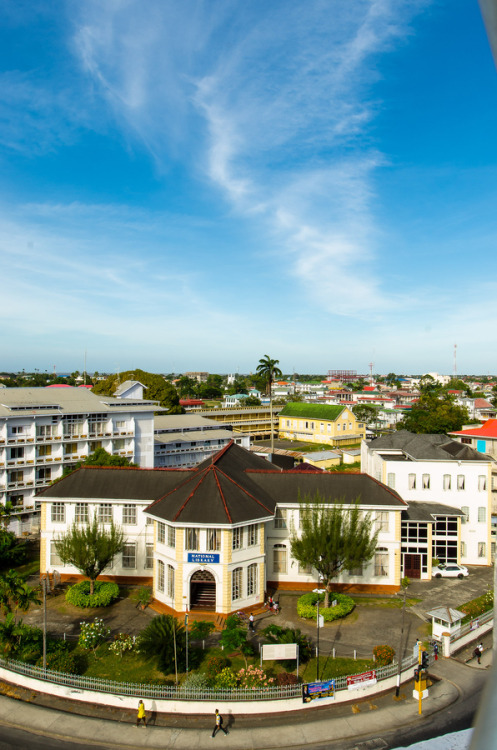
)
(317, 726)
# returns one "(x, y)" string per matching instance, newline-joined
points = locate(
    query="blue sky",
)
(190, 186)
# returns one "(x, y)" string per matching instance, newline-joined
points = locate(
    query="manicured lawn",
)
(387, 602)
(131, 667)
(329, 668)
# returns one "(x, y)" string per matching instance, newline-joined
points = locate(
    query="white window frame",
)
(411, 481)
(252, 535)
(425, 481)
(129, 556)
(149, 556)
(252, 579)
(280, 559)
(465, 511)
(482, 549)
(171, 581)
(161, 533)
(236, 584)
(280, 518)
(381, 560)
(171, 537)
(213, 540)
(54, 556)
(482, 483)
(447, 481)
(482, 514)
(381, 521)
(105, 513)
(129, 514)
(160, 575)
(237, 538)
(461, 481)
(58, 513)
(81, 513)
(192, 540)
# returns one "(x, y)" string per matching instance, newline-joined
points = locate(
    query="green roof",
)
(312, 411)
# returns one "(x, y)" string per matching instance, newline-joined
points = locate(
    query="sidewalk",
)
(313, 726)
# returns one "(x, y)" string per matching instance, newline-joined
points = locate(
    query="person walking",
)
(141, 716)
(251, 623)
(218, 725)
(478, 652)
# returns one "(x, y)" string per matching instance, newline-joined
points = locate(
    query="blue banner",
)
(203, 557)
(318, 690)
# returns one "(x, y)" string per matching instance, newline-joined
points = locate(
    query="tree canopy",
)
(434, 414)
(99, 457)
(90, 548)
(365, 413)
(332, 538)
(268, 369)
(156, 388)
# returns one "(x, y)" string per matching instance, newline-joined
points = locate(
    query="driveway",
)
(451, 592)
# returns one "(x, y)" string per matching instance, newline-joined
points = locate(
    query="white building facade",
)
(45, 430)
(433, 469)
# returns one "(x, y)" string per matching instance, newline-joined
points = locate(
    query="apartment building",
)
(184, 440)
(45, 430)
(448, 488)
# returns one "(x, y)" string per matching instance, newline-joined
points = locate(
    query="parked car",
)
(449, 570)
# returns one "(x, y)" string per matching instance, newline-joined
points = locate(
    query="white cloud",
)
(283, 92)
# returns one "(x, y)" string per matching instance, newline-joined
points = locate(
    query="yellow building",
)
(335, 425)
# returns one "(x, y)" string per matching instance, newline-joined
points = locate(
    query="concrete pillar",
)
(446, 645)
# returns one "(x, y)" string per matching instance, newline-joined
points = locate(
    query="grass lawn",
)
(30, 568)
(131, 667)
(329, 668)
(386, 602)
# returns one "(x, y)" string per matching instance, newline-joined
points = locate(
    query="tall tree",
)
(268, 369)
(332, 538)
(433, 414)
(90, 548)
(365, 413)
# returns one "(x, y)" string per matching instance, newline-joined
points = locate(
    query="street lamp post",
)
(318, 591)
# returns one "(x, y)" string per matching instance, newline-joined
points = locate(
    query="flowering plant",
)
(383, 655)
(93, 633)
(225, 679)
(122, 642)
(253, 677)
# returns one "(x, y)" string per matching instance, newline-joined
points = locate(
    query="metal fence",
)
(173, 692)
(473, 625)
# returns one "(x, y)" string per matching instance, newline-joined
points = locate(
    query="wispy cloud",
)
(277, 106)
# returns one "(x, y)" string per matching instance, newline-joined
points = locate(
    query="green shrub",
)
(105, 592)
(383, 655)
(63, 661)
(214, 665)
(196, 680)
(201, 629)
(226, 679)
(306, 606)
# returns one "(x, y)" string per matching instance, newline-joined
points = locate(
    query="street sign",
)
(320, 621)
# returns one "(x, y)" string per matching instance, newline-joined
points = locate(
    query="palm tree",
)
(268, 370)
(15, 594)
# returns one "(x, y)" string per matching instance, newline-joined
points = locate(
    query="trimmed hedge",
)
(306, 606)
(105, 592)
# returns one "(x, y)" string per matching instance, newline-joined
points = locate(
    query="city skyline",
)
(209, 184)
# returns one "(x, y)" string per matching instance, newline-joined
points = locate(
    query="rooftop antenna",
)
(455, 361)
(371, 365)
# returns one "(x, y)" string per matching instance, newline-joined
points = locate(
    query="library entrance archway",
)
(202, 590)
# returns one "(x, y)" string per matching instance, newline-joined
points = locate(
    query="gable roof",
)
(312, 411)
(488, 429)
(421, 447)
(347, 488)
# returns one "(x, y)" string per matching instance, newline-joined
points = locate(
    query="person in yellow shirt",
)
(141, 716)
